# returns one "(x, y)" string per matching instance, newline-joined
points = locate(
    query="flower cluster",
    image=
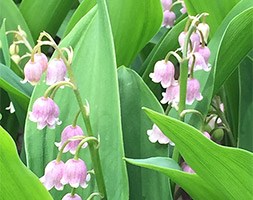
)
(169, 16)
(45, 112)
(164, 71)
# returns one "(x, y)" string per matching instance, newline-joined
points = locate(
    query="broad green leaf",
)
(134, 23)
(234, 47)
(4, 49)
(217, 10)
(13, 17)
(81, 11)
(221, 172)
(17, 182)
(230, 94)
(219, 56)
(10, 82)
(94, 66)
(137, 145)
(44, 15)
(245, 128)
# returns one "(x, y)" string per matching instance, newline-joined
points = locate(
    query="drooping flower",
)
(169, 18)
(187, 168)
(171, 95)
(42, 59)
(45, 112)
(67, 133)
(166, 4)
(32, 72)
(56, 71)
(10, 108)
(183, 9)
(71, 197)
(193, 91)
(205, 53)
(164, 73)
(194, 38)
(205, 29)
(75, 173)
(156, 135)
(207, 135)
(53, 175)
(199, 64)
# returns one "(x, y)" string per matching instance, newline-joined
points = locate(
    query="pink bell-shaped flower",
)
(42, 59)
(67, 133)
(75, 173)
(183, 9)
(166, 4)
(53, 175)
(205, 53)
(71, 197)
(56, 71)
(187, 168)
(32, 72)
(168, 18)
(45, 112)
(171, 95)
(200, 63)
(164, 73)
(194, 38)
(156, 135)
(193, 91)
(207, 135)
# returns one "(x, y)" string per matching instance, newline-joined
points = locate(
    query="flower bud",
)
(14, 49)
(56, 71)
(164, 73)
(204, 28)
(16, 58)
(218, 135)
(32, 72)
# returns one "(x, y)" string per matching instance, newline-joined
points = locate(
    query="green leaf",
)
(10, 82)
(13, 17)
(234, 46)
(19, 182)
(217, 10)
(221, 172)
(245, 104)
(137, 145)
(94, 66)
(4, 46)
(134, 23)
(81, 11)
(222, 53)
(44, 15)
